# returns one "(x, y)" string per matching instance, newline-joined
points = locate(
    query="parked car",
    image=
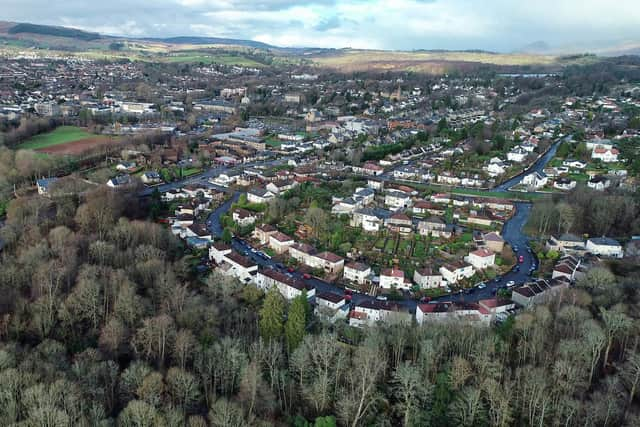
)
(481, 285)
(520, 259)
(511, 284)
(306, 276)
(291, 269)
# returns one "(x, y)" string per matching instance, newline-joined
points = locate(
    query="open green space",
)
(61, 135)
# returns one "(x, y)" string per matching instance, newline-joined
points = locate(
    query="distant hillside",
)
(47, 30)
(212, 40)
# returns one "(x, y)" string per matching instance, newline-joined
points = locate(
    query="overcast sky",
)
(499, 25)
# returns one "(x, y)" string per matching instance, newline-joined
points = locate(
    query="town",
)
(466, 199)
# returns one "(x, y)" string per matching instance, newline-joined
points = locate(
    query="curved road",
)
(511, 232)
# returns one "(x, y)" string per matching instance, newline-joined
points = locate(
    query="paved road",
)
(512, 232)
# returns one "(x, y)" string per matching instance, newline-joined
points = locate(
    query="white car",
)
(481, 285)
(511, 284)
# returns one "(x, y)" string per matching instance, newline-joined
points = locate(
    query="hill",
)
(181, 40)
(47, 30)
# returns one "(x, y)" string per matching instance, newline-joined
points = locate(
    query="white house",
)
(243, 217)
(427, 278)
(393, 278)
(330, 305)
(535, 180)
(369, 312)
(605, 154)
(218, 251)
(456, 271)
(357, 272)
(564, 184)
(481, 259)
(517, 155)
(238, 266)
(395, 199)
(289, 287)
(259, 195)
(605, 246)
(599, 183)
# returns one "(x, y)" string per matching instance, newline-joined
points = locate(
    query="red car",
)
(347, 298)
(306, 276)
(521, 259)
(348, 292)
(290, 269)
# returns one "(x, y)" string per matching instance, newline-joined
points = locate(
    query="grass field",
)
(195, 57)
(61, 135)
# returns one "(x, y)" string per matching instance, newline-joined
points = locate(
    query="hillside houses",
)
(289, 287)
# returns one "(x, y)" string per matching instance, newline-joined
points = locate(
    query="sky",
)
(495, 25)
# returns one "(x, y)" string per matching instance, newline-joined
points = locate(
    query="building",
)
(599, 182)
(393, 278)
(566, 243)
(331, 306)
(494, 242)
(535, 180)
(280, 242)
(243, 217)
(44, 185)
(119, 181)
(567, 267)
(369, 219)
(435, 227)
(426, 278)
(456, 271)
(538, 292)
(238, 266)
(604, 246)
(150, 178)
(564, 184)
(218, 251)
(395, 199)
(605, 154)
(399, 223)
(263, 232)
(369, 312)
(259, 195)
(289, 287)
(481, 259)
(357, 272)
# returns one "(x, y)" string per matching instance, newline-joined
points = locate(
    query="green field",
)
(61, 135)
(194, 57)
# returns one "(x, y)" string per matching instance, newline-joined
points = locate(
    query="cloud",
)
(500, 25)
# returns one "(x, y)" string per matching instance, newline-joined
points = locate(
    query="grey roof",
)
(604, 241)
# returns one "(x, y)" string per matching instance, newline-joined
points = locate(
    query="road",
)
(512, 232)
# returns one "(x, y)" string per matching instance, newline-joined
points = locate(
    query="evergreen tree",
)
(271, 316)
(226, 235)
(296, 322)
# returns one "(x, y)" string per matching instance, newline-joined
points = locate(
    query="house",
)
(517, 155)
(599, 182)
(564, 184)
(576, 164)
(44, 185)
(566, 242)
(263, 232)
(539, 291)
(375, 184)
(365, 196)
(605, 154)
(126, 166)
(279, 187)
(493, 241)
(243, 217)
(370, 220)
(197, 230)
(567, 267)
(535, 180)
(238, 266)
(346, 206)
(481, 259)
(119, 181)
(150, 178)
(393, 278)
(496, 169)
(218, 251)
(289, 287)
(435, 227)
(260, 195)
(331, 306)
(449, 311)
(395, 199)
(399, 223)
(328, 261)
(302, 252)
(357, 272)
(369, 312)
(456, 271)
(426, 278)
(604, 246)
(280, 242)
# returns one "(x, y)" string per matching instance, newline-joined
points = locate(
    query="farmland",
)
(66, 140)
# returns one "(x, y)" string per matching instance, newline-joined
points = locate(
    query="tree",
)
(227, 236)
(272, 315)
(317, 219)
(412, 394)
(139, 414)
(183, 387)
(295, 326)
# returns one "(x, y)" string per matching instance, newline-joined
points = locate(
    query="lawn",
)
(60, 135)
